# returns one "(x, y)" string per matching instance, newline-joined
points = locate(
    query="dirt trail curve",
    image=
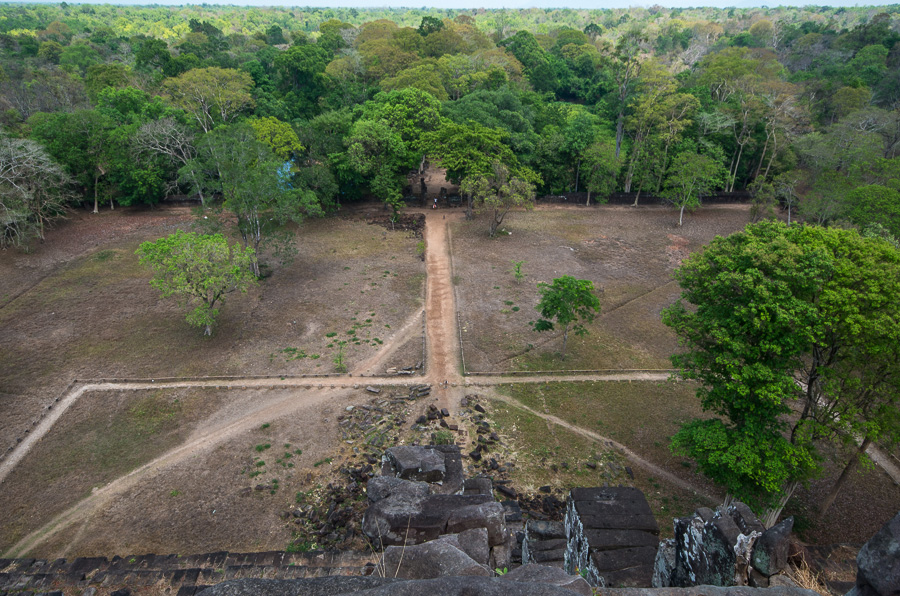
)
(628, 453)
(199, 442)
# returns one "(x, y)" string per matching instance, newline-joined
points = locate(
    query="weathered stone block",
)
(618, 539)
(625, 558)
(416, 463)
(432, 559)
(878, 561)
(770, 552)
(490, 516)
(394, 521)
(549, 575)
(663, 565)
(382, 487)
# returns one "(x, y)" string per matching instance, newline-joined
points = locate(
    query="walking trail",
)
(442, 372)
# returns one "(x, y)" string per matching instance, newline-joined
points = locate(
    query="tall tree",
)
(499, 191)
(174, 141)
(691, 176)
(200, 269)
(793, 335)
(627, 60)
(249, 177)
(80, 141)
(212, 96)
(33, 190)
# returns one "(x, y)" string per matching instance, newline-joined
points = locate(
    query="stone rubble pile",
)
(726, 547)
(422, 495)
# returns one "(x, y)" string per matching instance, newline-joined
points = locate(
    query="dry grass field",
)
(192, 469)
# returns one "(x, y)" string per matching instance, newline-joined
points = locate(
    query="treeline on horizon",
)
(124, 105)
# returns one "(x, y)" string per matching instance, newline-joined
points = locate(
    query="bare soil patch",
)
(94, 315)
(200, 469)
(628, 253)
(193, 470)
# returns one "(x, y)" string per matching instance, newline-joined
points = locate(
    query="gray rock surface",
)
(549, 575)
(878, 562)
(416, 463)
(371, 586)
(395, 521)
(455, 586)
(438, 558)
(612, 536)
(705, 552)
(382, 487)
(490, 516)
(473, 542)
(770, 552)
(663, 565)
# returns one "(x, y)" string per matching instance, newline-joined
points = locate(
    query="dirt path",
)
(883, 460)
(374, 366)
(203, 441)
(490, 380)
(628, 453)
(441, 333)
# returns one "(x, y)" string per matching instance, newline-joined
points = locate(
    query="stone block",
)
(416, 463)
(382, 487)
(632, 577)
(430, 560)
(770, 552)
(663, 565)
(623, 558)
(878, 561)
(490, 516)
(544, 530)
(616, 539)
(479, 485)
(549, 575)
(394, 521)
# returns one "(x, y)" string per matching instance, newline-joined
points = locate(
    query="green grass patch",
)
(643, 415)
(547, 454)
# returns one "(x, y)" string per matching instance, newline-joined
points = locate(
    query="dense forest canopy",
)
(127, 105)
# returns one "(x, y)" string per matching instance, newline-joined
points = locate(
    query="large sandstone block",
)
(416, 463)
(770, 552)
(549, 575)
(432, 559)
(612, 536)
(382, 487)
(490, 516)
(878, 563)
(395, 521)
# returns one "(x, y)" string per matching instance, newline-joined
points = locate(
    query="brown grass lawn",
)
(628, 253)
(94, 315)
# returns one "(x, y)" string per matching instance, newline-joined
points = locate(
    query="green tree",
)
(279, 136)
(80, 141)
(568, 302)
(690, 177)
(212, 96)
(874, 203)
(253, 186)
(793, 334)
(602, 169)
(430, 25)
(200, 269)
(379, 153)
(498, 192)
